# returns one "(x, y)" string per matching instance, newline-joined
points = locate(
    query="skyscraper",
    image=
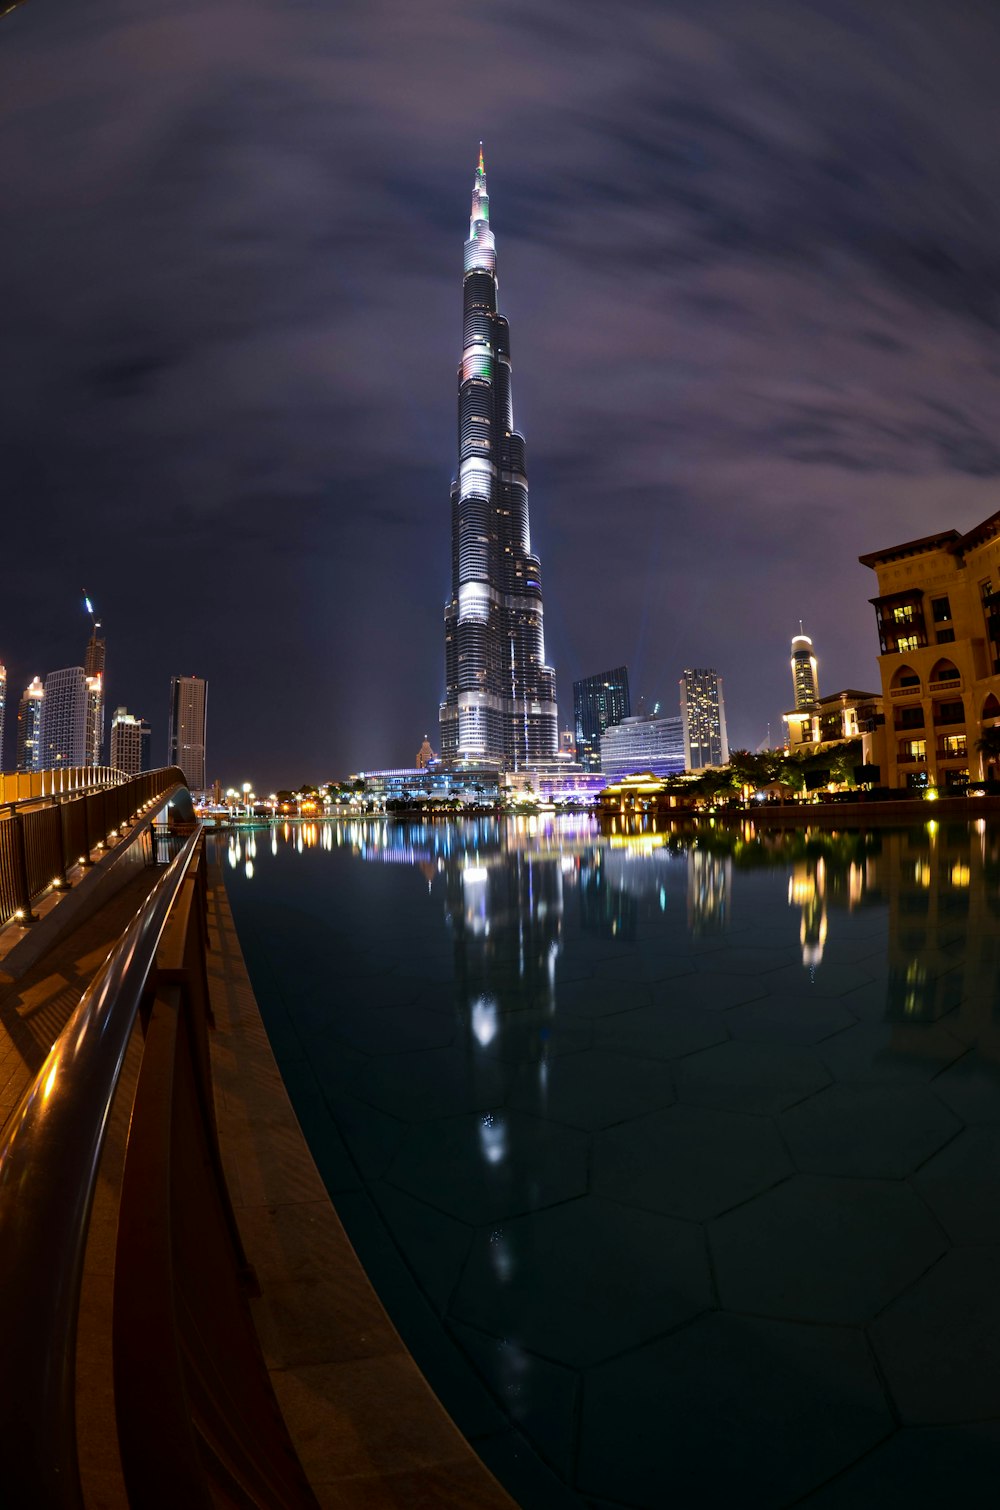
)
(805, 678)
(186, 728)
(3, 708)
(500, 697)
(129, 743)
(29, 727)
(704, 715)
(65, 709)
(93, 665)
(598, 702)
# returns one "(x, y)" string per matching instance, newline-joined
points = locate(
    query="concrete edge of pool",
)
(368, 1428)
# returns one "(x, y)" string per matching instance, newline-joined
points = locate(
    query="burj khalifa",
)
(500, 701)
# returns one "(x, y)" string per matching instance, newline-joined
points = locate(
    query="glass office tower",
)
(598, 702)
(500, 699)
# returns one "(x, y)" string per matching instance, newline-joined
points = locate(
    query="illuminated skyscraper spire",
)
(500, 699)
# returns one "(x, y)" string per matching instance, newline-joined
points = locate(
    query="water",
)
(674, 1156)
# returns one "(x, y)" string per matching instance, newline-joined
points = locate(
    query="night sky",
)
(751, 258)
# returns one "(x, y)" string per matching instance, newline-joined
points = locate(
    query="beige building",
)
(938, 615)
(833, 719)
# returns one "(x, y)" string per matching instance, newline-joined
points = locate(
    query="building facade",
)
(598, 702)
(836, 718)
(28, 756)
(130, 740)
(64, 719)
(642, 744)
(3, 708)
(186, 728)
(500, 696)
(93, 665)
(805, 673)
(703, 712)
(938, 619)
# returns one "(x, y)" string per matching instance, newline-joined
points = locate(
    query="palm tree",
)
(989, 747)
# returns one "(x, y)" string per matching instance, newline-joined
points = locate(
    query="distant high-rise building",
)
(3, 708)
(567, 744)
(186, 728)
(93, 665)
(129, 743)
(598, 702)
(500, 696)
(805, 677)
(704, 714)
(644, 743)
(65, 710)
(29, 727)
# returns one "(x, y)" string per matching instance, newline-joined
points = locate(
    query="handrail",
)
(49, 1158)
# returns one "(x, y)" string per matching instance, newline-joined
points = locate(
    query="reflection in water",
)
(505, 886)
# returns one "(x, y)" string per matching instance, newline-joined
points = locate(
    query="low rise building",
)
(643, 743)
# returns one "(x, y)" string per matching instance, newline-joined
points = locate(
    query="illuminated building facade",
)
(598, 702)
(643, 744)
(93, 665)
(703, 713)
(805, 677)
(3, 707)
(186, 728)
(835, 718)
(29, 727)
(130, 739)
(65, 708)
(500, 698)
(938, 618)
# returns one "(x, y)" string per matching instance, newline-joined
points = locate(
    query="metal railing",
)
(42, 835)
(20, 786)
(197, 1420)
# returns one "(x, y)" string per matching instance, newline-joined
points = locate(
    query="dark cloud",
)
(749, 258)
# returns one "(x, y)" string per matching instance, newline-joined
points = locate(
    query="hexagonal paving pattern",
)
(633, 1274)
(689, 1161)
(874, 1131)
(491, 1166)
(730, 1411)
(643, 1193)
(823, 1249)
(938, 1344)
(750, 1077)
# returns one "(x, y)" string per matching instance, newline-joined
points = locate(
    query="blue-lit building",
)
(644, 743)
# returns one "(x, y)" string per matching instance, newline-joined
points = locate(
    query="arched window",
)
(905, 676)
(946, 671)
(991, 709)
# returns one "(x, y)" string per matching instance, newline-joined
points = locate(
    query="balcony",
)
(913, 691)
(951, 684)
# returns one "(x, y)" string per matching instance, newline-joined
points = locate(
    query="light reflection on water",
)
(523, 1051)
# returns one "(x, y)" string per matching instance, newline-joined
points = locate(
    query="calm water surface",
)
(674, 1156)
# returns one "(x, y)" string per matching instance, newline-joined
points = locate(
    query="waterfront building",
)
(500, 698)
(805, 677)
(28, 756)
(641, 744)
(186, 728)
(598, 702)
(130, 742)
(833, 719)
(3, 708)
(703, 713)
(938, 619)
(65, 709)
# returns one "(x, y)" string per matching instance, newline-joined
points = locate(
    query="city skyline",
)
(751, 259)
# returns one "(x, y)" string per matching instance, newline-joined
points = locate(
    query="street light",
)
(247, 789)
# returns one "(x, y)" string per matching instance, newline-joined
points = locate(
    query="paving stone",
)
(433, 1083)
(971, 1087)
(526, 1037)
(938, 1344)
(823, 980)
(918, 1466)
(788, 1019)
(878, 1131)
(820, 1249)
(662, 1031)
(729, 1411)
(750, 1077)
(632, 1274)
(492, 1166)
(881, 1052)
(688, 1161)
(961, 1185)
(539, 1396)
(593, 1089)
(601, 997)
